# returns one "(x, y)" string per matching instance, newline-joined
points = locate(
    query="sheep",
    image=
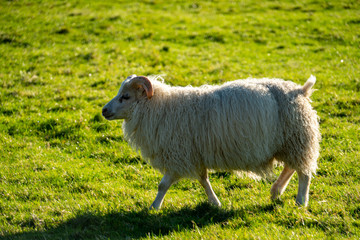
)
(243, 125)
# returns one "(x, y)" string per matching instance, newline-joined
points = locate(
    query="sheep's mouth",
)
(108, 116)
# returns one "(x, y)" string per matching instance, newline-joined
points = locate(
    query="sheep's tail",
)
(308, 85)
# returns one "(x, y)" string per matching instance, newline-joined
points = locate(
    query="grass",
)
(66, 173)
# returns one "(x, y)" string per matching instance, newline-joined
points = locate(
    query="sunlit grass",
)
(66, 173)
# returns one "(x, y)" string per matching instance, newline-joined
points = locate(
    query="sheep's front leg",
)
(164, 185)
(302, 197)
(204, 180)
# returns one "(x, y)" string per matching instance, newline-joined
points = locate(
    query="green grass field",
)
(66, 173)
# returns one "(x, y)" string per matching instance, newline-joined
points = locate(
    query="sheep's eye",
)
(124, 97)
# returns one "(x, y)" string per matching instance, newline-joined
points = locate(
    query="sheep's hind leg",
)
(164, 185)
(302, 197)
(204, 180)
(281, 183)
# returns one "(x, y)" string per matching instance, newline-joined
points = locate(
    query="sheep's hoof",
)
(153, 207)
(275, 196)
(301, 203)
(215, 203)
(275, 192)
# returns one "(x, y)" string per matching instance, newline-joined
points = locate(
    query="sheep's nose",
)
(104, 110)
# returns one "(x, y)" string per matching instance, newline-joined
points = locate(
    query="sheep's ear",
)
(130, 77)
(143, 82)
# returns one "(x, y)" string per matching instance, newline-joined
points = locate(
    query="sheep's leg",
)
(164, 185)
(302, 197)
(281, 183)
(204, 180)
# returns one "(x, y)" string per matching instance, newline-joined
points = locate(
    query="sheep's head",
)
(132, 90)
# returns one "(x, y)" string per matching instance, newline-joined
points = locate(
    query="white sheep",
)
(245, 125)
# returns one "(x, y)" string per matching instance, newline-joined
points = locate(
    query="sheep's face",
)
(132, 90)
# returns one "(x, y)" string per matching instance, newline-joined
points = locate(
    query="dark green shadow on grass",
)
(138, 224)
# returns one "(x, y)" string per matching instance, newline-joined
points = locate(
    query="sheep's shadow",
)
(139, 224)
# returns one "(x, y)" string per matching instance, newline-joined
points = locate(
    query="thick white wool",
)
(241, 125)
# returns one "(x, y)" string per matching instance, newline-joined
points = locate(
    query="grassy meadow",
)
(66, 173)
